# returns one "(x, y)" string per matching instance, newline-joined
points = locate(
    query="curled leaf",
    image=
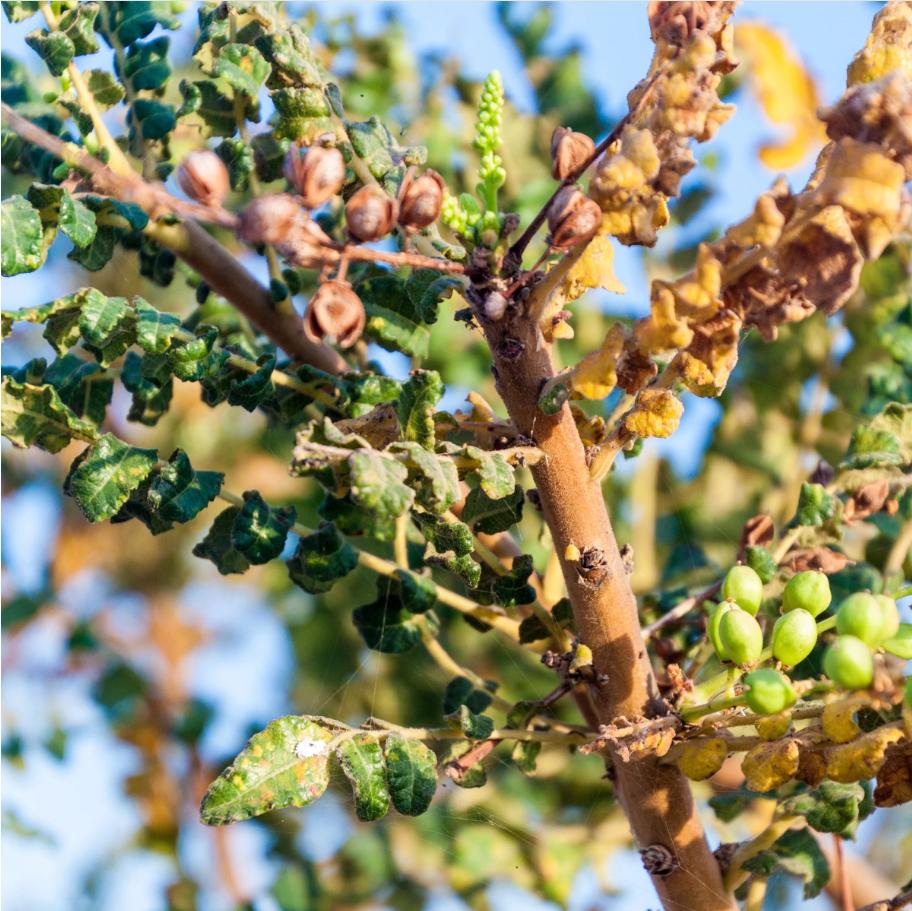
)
(702, 758)
(769, 765)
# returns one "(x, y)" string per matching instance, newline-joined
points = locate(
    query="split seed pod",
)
(420, 198)
(335, 311)
(270, 219)
(573, 218)
(370, 214)
(569, 152)
(316, 173)
(204, 177)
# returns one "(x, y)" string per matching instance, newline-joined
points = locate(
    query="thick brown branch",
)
(656, 799)
(217, 267)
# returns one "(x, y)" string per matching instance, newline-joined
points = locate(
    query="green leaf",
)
(97, 255)
(250, 390)
(138, 18)
(434, 478)
(105, 89)
(178, 492)
(461, 565)
(417, 593)
(798, 853)
(146, 65)
(815, 505)
(411, 773)
(321, 559)
(762, 562)
(531, 629)
(79, 26)
(55, 48)
(426, 288)
(83, 386)
(511, 587)
(103, 477)
(351, 519)
(377, 483)
(154, 329)
(107, 324)
(76, 221)
(475, 727)
(285, 765)
(386, 626)
(461, 691)
(213, 105)
(447, 535)
(415, 407)
(362, 762)
(189, 359)
(395, 331)
(243, 68)
(21, 237)
(36, 416)
(20, 10)
(831, 807)
(152, 119)
(218, 545)
(729, 805)
(292, 58)
(494, 472)
(487, 516)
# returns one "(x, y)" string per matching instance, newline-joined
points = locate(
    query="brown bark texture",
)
(656, 799)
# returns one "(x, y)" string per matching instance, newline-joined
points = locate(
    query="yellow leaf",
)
(772, 727)
(702, 758)
(595, 376)
(787, 94)
(861, 758)
(837, 721)
(888, 48)
(860, 177)
(770, 764)
(656, 414)
(594, 269)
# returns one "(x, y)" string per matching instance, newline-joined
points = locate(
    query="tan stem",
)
(656, 799)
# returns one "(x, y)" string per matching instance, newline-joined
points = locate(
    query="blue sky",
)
(78, 802)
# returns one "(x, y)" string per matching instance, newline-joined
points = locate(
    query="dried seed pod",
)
(420, 198)
(676, 22)
(271, 219)
(204, 177)
(337, 312)
(316, 173)
(569, 152)
(572, 218)
(370, 214)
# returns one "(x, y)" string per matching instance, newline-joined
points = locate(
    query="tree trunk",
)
(656, 799)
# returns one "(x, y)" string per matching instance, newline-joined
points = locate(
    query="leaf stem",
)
(736, 875)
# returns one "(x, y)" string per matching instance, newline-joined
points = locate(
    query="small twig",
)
(736, 875)
(842, 872)
(681, 610)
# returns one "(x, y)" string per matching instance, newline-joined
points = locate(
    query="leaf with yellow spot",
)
(888, 48)
(769, 765)
(861, 758)
(595, 376)
(702, 758)
(786, 92)
(655, 414)
(858, 176)
(838, 722)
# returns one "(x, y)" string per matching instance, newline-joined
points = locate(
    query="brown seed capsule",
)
(316, 173)
(204, 177)
(271, 219)
(569, 152)
(370, 214)
(573, 218)
(335, 311)
(420, 198)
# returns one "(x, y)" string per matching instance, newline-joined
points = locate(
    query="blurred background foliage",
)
(133, 671)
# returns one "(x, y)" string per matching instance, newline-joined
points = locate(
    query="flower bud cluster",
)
(645, 166)
(488, 137)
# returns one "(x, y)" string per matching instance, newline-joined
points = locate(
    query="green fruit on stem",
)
(848, 662)
(741, 637)
(770, 692)
(909, 692)
(743, 586)
(890, 614)
(809, 590)
(794, 636)
(860, 615)
(901, 643)
(712, 627)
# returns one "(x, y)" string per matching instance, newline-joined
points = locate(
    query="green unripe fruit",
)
(890, 614)
(848, 663)
(909, 692)
(861, 616)
(712, 627)
(741, 636)
(809, 590)
(743, 586)
(794, 637)
(770, 692)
